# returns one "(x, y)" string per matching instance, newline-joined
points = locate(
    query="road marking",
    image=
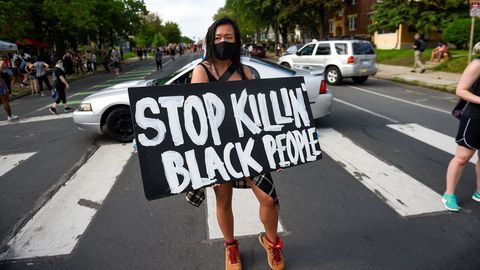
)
(430, 137)
(406, 195)
(245, 211)
(56, 228)
(366, 110)
(8, 162)
(36, 119)
(399, 99)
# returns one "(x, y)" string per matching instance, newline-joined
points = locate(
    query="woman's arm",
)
(62, 78)
(468, 78)
(248, 73)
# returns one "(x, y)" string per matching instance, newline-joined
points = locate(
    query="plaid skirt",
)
(264, 182)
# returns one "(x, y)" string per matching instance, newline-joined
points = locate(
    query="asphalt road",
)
(333, 215)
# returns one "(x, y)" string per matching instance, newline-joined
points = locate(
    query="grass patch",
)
(404, 57)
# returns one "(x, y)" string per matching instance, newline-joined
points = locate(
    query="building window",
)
(352, 22)
(330, 26)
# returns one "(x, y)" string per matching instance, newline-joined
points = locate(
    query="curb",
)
(444, 88)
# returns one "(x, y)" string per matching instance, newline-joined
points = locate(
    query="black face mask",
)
(224, 50)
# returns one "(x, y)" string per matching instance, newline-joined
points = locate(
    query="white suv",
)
(341, 58)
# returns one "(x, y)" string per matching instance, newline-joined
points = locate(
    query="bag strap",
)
(227, 74)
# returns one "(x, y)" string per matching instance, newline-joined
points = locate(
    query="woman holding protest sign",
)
(222, 63)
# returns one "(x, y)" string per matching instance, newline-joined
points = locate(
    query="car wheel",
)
(285, 64)
(119, 124)
(333, 76)
(360, 79)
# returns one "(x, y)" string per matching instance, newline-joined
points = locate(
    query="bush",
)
(458, 32)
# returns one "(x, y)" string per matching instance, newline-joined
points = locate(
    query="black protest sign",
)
(195, 135)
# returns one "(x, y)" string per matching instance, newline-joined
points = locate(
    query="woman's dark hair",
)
(210, 41)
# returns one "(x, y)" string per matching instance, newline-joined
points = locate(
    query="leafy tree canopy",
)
(424, 15)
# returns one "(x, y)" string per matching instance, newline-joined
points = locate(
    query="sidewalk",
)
(439, 80)
(444, 81)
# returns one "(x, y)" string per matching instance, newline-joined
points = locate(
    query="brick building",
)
(351, 20)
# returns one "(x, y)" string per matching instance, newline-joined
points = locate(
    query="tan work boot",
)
(274, 252)
(232, 256)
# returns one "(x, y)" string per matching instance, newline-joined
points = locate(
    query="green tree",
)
(458, 32)
(15, 19)
(424, 15)
(171, 32)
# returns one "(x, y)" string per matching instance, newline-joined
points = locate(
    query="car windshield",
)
(162, 81)
(274, 65)
(360, 48)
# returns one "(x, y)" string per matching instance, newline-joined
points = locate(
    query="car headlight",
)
(85, 107)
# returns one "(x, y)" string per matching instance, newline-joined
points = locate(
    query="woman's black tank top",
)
(225, 76)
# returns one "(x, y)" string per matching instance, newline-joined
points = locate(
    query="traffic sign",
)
(475, 9)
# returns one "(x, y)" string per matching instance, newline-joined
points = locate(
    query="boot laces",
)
(233, 254)
(276, 251)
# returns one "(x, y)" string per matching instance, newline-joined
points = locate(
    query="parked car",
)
(292, 49)
(340, 59)
(109, 110)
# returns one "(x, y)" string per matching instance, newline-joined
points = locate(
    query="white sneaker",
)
(13, 117)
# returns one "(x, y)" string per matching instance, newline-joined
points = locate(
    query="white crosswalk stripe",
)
(396, 188)
(430, 137)
(57, 226)
(8, 162)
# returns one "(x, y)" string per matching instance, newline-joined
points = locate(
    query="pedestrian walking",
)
(4, 98)
(88, 56)
(31, 73)
(222, 62)
(115, 61)
(61, 85)
(158, 60)
(7, 75)
(42, 76)
(93, 58)
(468, 135)
(68, 63)
(419, 47)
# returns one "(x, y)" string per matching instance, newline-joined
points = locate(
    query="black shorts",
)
(469, 133)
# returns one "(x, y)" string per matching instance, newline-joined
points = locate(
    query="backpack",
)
(22, 64)
(423, 45)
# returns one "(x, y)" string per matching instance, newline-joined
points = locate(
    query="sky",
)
(193, 16)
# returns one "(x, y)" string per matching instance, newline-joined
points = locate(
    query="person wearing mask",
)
(4, 97)
(42, 76)
(61, 84)
(468, 136)
(222, 62)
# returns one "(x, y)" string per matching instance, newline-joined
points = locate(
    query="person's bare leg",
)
(456, 167)
(6, 105)
(223, 195)
(268, 212)
(477, 171)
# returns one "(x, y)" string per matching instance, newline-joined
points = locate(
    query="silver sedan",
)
(109, 109)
